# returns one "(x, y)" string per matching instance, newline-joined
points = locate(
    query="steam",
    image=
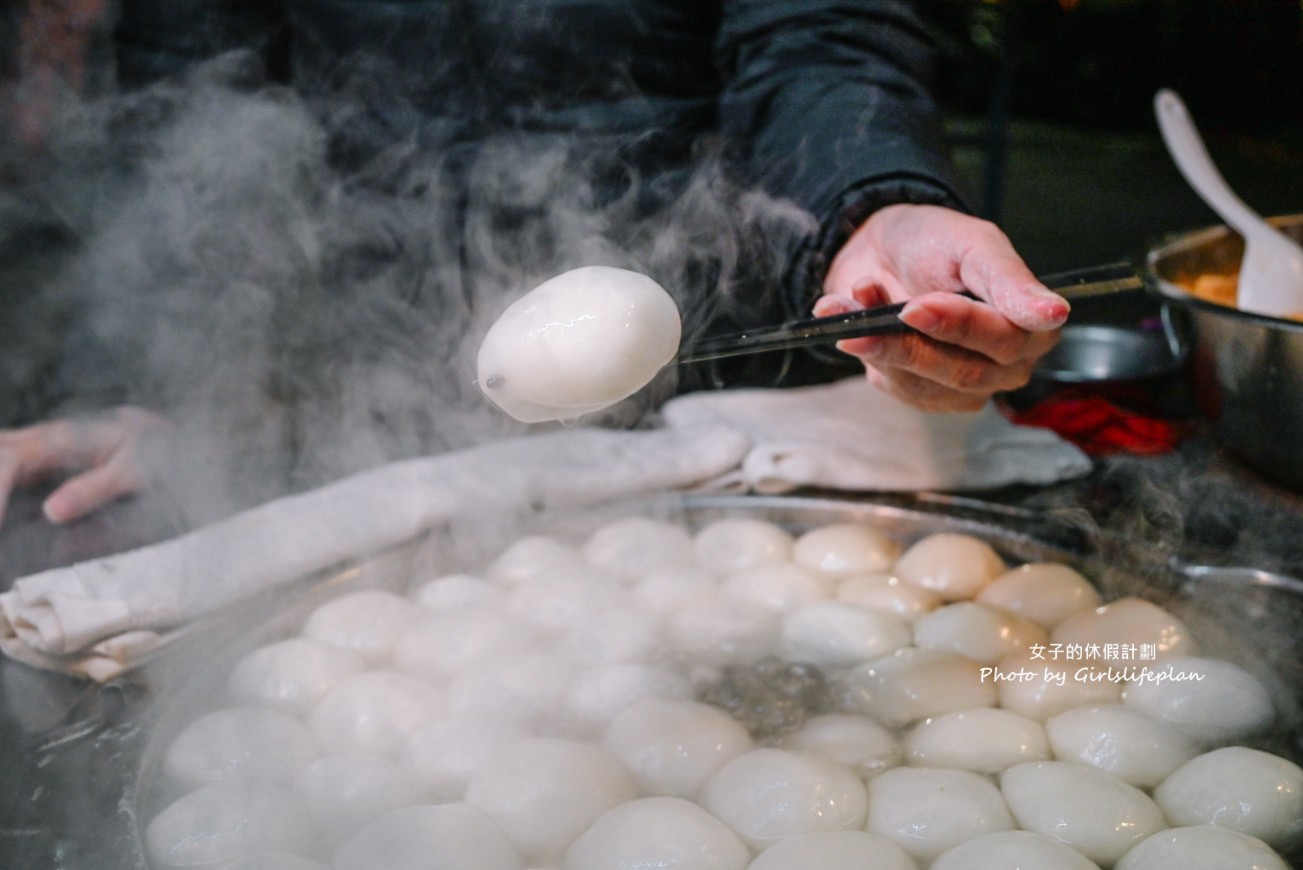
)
(301, 284)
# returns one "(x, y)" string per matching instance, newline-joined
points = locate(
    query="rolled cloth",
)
(101, 617)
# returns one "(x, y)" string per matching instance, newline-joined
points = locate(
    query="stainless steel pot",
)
(1247, 368)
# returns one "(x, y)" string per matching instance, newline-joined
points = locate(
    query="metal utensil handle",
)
(885, 319)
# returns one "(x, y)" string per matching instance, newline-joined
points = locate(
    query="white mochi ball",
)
(912, 684)
(855, 742)
(1211, 700)
(767, 794)
(1120, 740)
(442, 755)
(368, 623)
(633, 547)
(736, 543)
(834, 850)
(533, 556)
(674, 746)
(344, 792)
(926, 811)
(1201, 847)
(557, 603)
(453, 836)
(272, 861)
(954, 566)
(888, 595)
(374, 712)
(978, 632)
(517, 686)
(220, 822)
(1097, 814)
(240, 744)
(1131, 621)
(836, 633)
(658, 832)
(597, 695)
(719, 632)
(1245, 790)
(666, 591)
(545, 792)
(984, 740)
(1039, 688)
(621, 633)
(1004, 850)
(577, 343)
(444, 643)
(781, 586)
(291, 675)
(1045, 592)
(458, 592)
(842, 549)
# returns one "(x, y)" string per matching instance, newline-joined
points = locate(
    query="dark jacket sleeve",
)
(828, 103)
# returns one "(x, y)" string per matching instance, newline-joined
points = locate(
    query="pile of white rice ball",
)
(540, 714)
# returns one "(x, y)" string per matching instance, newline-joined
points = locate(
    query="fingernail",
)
(921, 318)
(56, 509)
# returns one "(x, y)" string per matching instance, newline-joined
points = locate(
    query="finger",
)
(948, 365)
(976, 326)
(80, 495)
(996, 273)
(8, 478)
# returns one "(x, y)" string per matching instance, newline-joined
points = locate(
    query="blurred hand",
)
(964, 350)
(101, 453)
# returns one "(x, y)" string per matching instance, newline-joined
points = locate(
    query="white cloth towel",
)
(101, 617)
(851, 436)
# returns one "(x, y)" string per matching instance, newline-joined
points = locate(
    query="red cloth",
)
(1100, 427)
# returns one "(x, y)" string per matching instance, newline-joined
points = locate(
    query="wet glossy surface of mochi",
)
(672, 747)
(834, 633)
(719, 632)
(1097, 814)
(736, 543)
(780, 587)
(221, 822)
(767, 794)
(975, 631)
(597, 695)
(834, 850)
(633, 547)
(368, 623)
(658, 832)
(956, 567)
(983, 740)
(888, 595)
(842, 549)
(533, 556)
(912, 684)
(440, 645)
(1044, 592)
(344, 792)
(458, 591)
(1039, 688)
(1120, 741)
(240, 744)
(577, 343)
(442, 755)
(855, 742)
(1238, 788)
(927, 811)
(292, 675)
(1131, 621)
(544, 792)
(1211, 700)
(447, 835)
(1003, 850)
(1201, 847)
(374, 712)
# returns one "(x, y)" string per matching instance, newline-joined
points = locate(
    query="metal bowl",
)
(1098, 353)
(1247, 368)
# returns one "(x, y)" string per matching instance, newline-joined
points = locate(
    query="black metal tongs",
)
(885, 319)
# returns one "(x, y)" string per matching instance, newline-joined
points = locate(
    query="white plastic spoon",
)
(1271, 273)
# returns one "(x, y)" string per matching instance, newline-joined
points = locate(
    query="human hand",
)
(102, 453)
(963, 350)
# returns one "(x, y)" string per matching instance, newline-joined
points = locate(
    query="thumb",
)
(998, 275)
